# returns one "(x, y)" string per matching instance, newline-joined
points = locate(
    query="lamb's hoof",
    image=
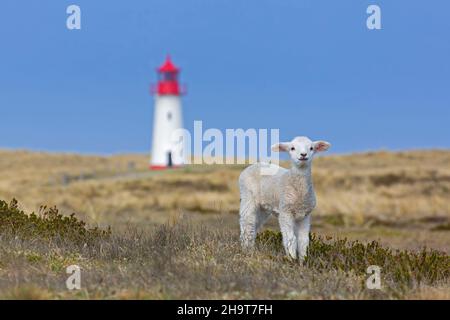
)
(292, 255)
(289, 260)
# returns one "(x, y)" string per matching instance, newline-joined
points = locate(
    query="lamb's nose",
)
(303, 155)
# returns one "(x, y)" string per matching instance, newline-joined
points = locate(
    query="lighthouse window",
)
(169, 76)
(169, 116)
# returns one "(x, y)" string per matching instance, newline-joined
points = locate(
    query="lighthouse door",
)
(169, 159)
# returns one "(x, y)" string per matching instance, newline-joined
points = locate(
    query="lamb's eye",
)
(292, 148)
(311, 148)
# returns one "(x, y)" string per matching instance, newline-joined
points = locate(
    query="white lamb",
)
(288, 194)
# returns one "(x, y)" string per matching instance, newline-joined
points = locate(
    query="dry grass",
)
(404, 185)
(385, 187)
(180, 260)
(401, 199)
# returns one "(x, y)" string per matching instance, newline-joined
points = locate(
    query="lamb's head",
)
(301, 150)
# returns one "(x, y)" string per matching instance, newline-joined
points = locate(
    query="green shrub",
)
(442, 227)
(400, 266)
(49, 224)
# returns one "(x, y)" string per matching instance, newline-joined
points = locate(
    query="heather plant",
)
(48, 224)
(400, 267)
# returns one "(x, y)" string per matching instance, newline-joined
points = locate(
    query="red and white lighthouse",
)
(166, 152)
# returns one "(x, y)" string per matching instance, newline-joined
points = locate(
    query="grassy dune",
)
(174, 233)
(381, 187)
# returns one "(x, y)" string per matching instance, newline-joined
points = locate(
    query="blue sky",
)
(307, 67)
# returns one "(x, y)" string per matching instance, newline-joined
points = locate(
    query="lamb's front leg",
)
(303, 226)
(287, 226)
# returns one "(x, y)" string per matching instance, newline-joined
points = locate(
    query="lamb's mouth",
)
(303, 159)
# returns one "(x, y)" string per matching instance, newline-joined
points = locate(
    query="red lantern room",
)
(168, 79)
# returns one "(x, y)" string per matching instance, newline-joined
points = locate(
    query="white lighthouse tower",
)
(167, 153)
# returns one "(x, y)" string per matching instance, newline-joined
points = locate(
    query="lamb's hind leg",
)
(261, 218)
(248, 221)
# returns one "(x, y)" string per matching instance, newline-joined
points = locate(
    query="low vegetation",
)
(402, 268)
(175, 233)
(180, 260)
(49, 224)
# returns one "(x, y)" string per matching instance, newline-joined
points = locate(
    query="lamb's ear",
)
(321, 146)
(282, 146)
